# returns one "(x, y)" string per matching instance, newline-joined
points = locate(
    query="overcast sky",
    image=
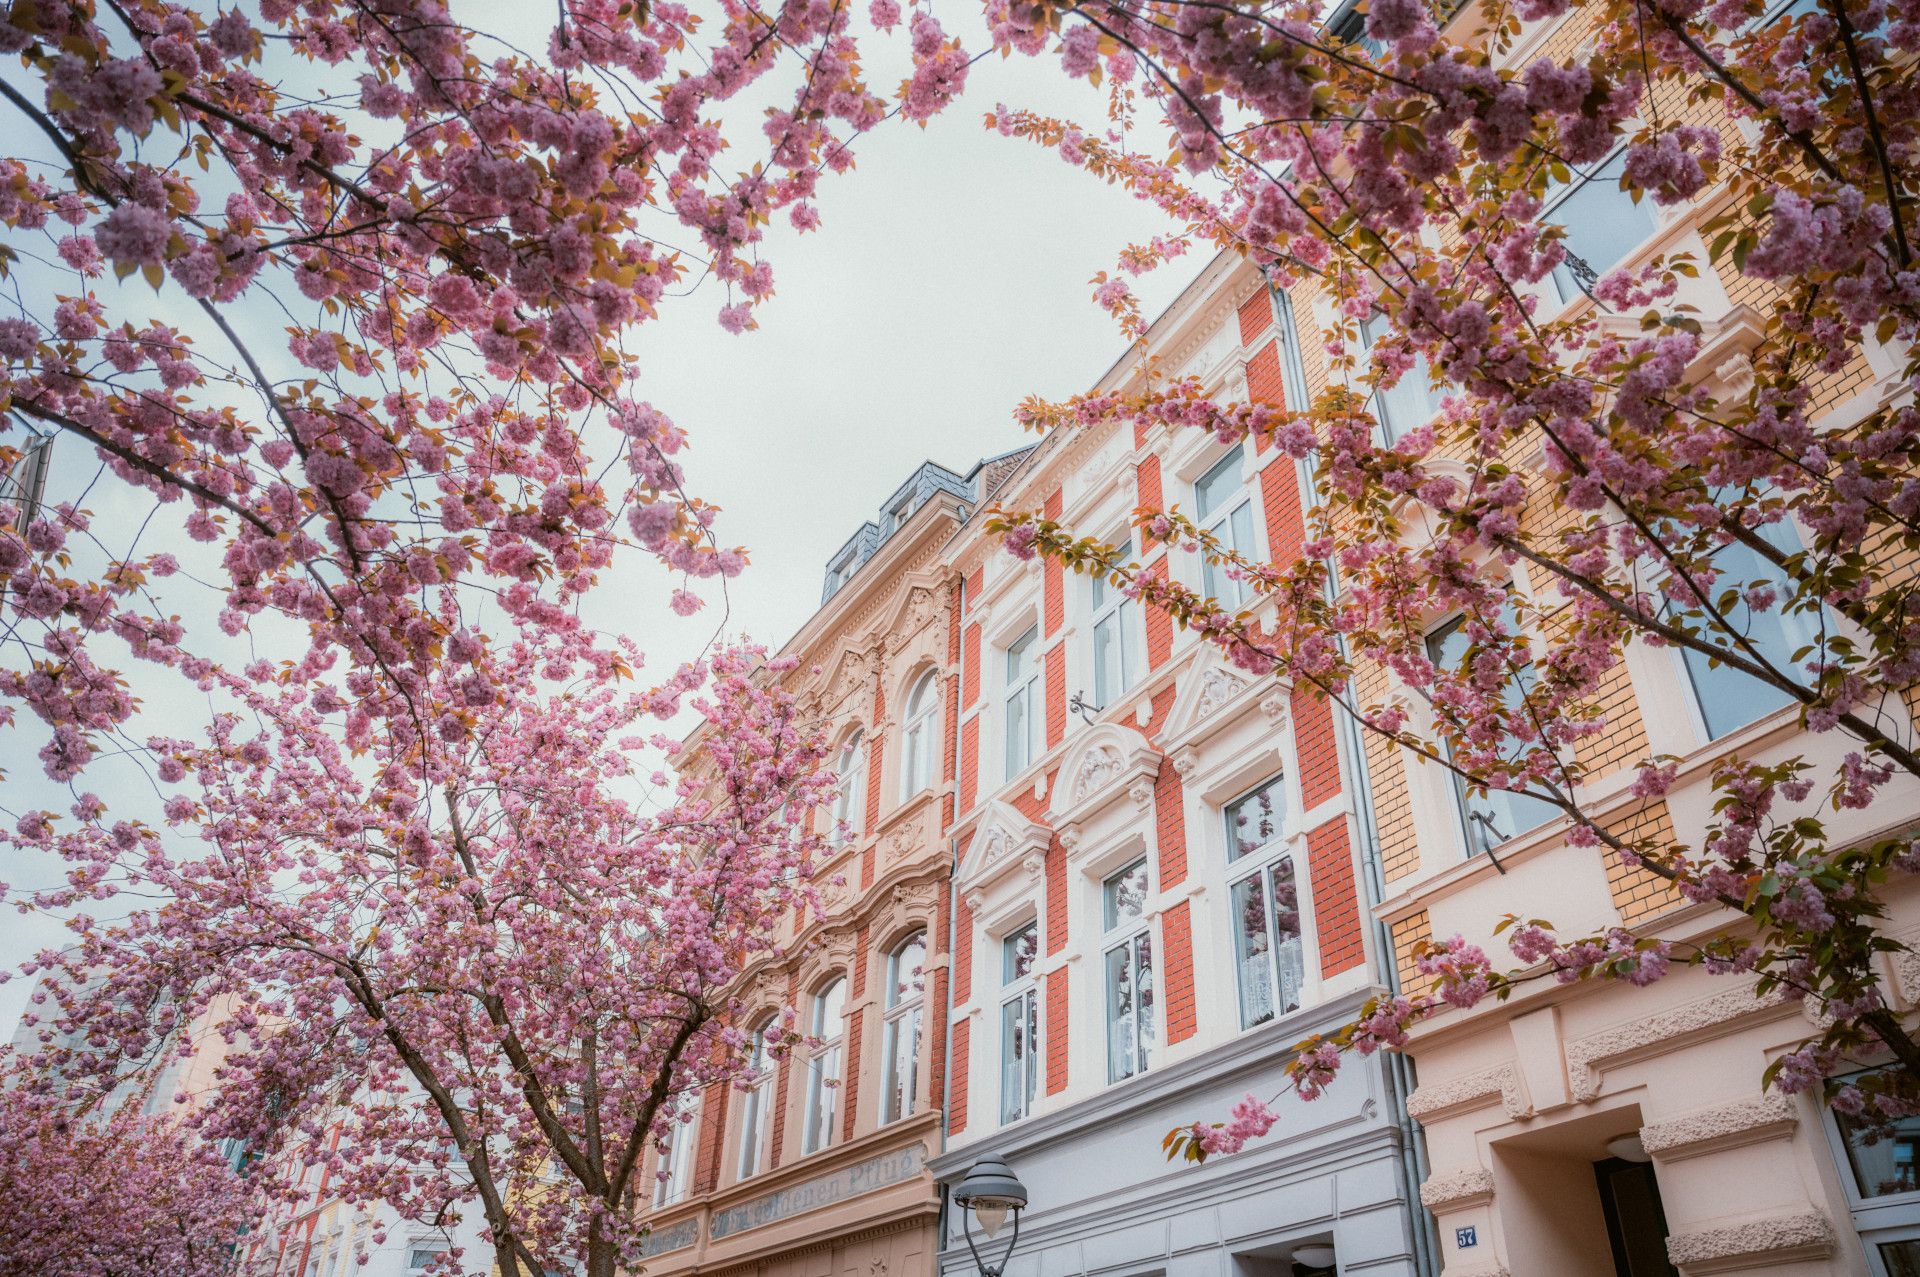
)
(948, 281)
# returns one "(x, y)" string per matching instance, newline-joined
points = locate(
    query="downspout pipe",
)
(1399, 1068)
(953, 932)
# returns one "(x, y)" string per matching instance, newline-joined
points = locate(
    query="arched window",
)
(923, 727)
(905, 999)
(825, 1064)
(756, 1116)
(849, 773)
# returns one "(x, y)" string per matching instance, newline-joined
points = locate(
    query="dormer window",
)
(901, 512)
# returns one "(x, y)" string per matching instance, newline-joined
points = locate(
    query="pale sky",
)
(948, 281)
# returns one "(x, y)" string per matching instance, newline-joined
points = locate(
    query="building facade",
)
(1161, 880)
(819, 1165)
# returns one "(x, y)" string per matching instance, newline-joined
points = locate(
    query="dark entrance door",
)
(1636, 1225)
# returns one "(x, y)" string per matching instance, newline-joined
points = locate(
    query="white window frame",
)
(1388, 428)
(919, 736)
(427, 1246)
(671, 1186)
(1130, 936)
(1230, 591)
(1560, 279)
(1801, 628)
(756, 1108)
(1286, 959)
(826, 1066)
(1465, 824)
(1119, 616)
(904, 1006)
(1022, 690)
(1019, 995)
(1893, 1217)
(850, 776)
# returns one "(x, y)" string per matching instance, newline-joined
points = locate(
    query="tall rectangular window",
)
(676, 1164)
(825, 1062)
(1603, 225)
(1490, 818)
(1411, 401)
(1019, 1024)
(1880, 1173)
(1221, 502)
(1023, 716)
(1269, 961)
(904, 1004)
(1729, 699)
(1116, 634)
(1128, 972)
(756, 1107)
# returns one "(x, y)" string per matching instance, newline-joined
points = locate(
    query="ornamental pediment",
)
(1003, 840)
(1214, 696)
(1105, 764)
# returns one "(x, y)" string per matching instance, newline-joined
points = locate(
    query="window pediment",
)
(1004, 841)
(1215, 696)
(1108, 762)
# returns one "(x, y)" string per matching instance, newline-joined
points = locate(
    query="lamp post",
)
(989, 1192)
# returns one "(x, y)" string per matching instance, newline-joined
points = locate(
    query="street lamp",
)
(988, 1193)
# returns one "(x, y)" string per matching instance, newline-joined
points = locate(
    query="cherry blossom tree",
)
(108, 1194)
(1649, 496)
(458, 939)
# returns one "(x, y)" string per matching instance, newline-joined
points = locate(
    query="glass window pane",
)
(1729, 699)
(1289, 953)
(1254, 822)
(1120, 1045)
(1218, 486)
(906, 974)
(903, 1065)
(1143, 977)
(1019, 726)
(1253, 958)
(1887, 1165)
(1603, 225)
(1020, 655)
(1491, 818)
(828, 1008)
(1018, 1063)
(1125, 894)
(1106, 660)
(1901, 1258)
(1017, 952)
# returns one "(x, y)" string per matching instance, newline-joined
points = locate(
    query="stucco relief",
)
(902, 843)
(1471, 1091)
(1457, 1188)
(1906, 968)
(1276, 705)
(1587, 1056)
(1217, 687)
(1748, 1121)
(1096, 769)
(1713, 1249)
(1141, 792)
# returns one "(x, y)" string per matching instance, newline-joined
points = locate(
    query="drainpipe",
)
(1353, 767)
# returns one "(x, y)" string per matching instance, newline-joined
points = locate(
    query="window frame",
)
(849, 803)
(902, 1008)
(918, 735)
(1893, 1217)
(1462, 801)
(1020, 989)
(1133, 936)
(826, 1066)
(1556, 198)
(1259, 864)
(1388, 429)
(1108, 604)
(756, 1108)
(1021, 687)
(677, 1161)
(1231, 592)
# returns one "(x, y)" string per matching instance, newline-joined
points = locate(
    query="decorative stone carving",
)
(1735, 1244)
(1096, 769)
(901, 843)
(1471, 1091)
(1186, 762)
(1748, 1121)
(914, 896)
(1586, 1056)
(1457, 1189)
(1276, 705)
(837, 945)
(1035, 864)
(1906, 968)
(1141, 792)
(994, 848)
(1217, 686)
(1069, 839)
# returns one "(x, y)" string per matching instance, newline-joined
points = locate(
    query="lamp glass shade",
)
(992, 1216)
(1628, 1148)
(990, 1184)
(1315, 1255)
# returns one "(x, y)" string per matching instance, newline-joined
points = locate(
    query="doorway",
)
(1636, 1222)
